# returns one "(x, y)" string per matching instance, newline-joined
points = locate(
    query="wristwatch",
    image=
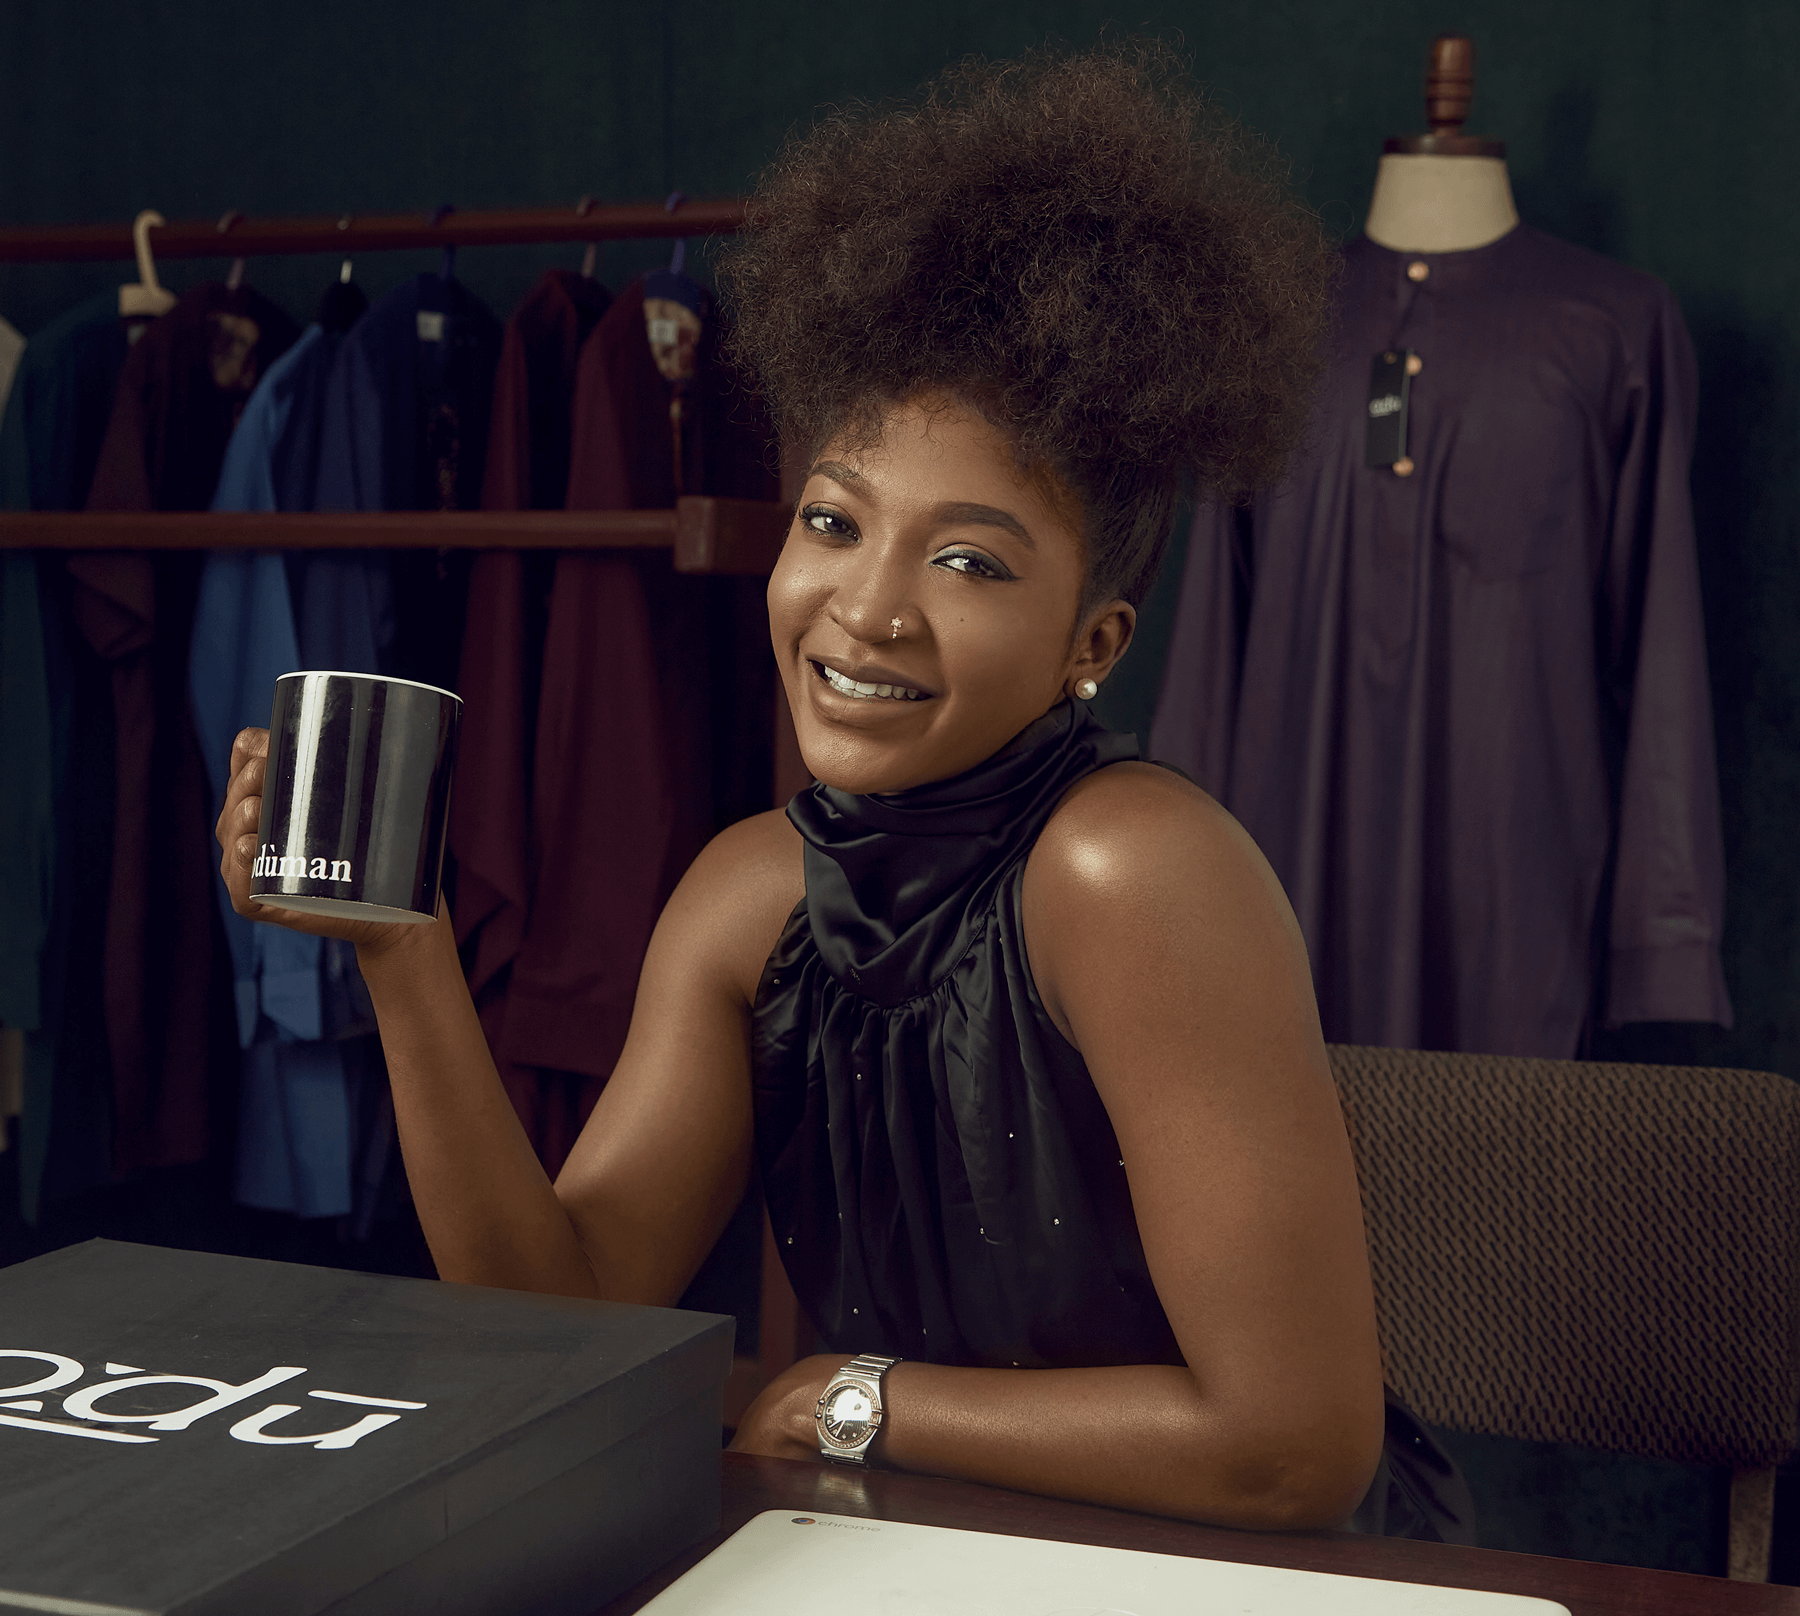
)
(849, 1414)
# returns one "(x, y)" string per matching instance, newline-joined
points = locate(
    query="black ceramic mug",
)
(357, 796)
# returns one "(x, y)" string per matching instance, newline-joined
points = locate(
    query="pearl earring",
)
(1086, 689)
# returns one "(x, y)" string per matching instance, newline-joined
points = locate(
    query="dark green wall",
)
(1659, 133)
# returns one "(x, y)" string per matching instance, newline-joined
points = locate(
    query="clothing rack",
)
(706, 535)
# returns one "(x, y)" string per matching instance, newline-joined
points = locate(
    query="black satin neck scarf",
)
(891, 880)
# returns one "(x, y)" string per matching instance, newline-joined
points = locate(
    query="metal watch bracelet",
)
(865, 1371)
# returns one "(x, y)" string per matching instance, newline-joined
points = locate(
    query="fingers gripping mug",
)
(357, 797)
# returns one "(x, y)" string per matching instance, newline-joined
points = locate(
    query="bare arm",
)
(490, 1215)
(1162, 946)
(662, 1162)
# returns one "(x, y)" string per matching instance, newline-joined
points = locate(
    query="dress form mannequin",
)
(1445, 191)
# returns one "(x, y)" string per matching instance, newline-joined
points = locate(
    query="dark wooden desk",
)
(753, 1485)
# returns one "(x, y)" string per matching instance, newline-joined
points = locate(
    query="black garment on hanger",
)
(405, 429)
(342, 304)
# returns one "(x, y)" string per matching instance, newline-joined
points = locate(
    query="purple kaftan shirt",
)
(1464, 712)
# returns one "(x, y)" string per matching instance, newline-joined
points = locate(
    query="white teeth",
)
(852, 687)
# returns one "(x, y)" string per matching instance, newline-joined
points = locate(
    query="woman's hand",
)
(237, 829)
(780, 1424)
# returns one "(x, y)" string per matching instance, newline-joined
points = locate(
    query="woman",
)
(1018, 1032)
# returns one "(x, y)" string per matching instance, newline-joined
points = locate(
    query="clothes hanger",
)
(674, 284)
(235, 278)
(148, 298)
(447, 268)
(343, 304)
(587, 258)
(676, 307)
(678, 258)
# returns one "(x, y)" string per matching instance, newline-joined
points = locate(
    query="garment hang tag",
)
(431, 326)
(1389, 388)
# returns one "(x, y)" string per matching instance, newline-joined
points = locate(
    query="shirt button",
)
(1417, 270)
(1403, 467)
(1414, 364)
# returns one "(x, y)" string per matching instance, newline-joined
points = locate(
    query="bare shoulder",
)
(761, 851)
(1137, 861)
(731, 905)
(1124, 832)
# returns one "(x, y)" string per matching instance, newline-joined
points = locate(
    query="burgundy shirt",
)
(165, 988)
(502, 649)
(1464, 712)
(620, 770)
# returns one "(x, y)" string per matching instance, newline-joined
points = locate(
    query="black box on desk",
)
(217, 1436)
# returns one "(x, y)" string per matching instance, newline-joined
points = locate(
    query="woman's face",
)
(931, 565)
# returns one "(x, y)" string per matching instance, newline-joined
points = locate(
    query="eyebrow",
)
(956, 513)
(961, 514)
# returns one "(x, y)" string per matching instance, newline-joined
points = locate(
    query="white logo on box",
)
(86, 1405)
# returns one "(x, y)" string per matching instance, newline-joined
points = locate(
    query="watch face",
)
(848, 1414)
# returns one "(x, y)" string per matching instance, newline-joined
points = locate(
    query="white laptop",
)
(783, 1564)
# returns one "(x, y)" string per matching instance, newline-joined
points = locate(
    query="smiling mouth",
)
(866, 692)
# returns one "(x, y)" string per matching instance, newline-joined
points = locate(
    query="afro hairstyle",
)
(1075, 246)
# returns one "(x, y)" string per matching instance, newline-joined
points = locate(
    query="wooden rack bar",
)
(235, 236)
(707, 535)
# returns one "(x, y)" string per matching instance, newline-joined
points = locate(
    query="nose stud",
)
(896, 627)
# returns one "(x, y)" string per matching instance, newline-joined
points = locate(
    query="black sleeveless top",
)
(943, 1180)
